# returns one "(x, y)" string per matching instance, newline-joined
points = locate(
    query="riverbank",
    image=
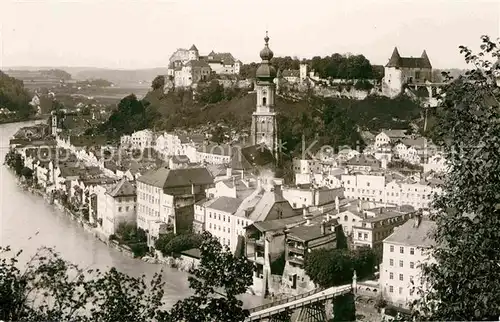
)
(180, 263)
(18, 120)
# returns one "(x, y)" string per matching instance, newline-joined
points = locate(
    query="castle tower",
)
(264, 126)
(303, 72)
(193, 53)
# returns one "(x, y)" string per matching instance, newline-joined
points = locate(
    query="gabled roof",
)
(411, 235)
(165, 178)
(198, 64)
(408, 62)
(122, 189)
(193, 47)
(364, 160)
(306, 233)
(226, 204)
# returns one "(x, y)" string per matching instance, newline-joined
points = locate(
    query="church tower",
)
(264, 126)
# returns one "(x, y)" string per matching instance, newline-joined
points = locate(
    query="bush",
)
(178, 243)
(363, 85)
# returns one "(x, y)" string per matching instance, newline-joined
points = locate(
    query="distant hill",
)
(116, 76)
(121, 76)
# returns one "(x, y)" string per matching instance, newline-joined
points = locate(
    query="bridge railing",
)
(285, 300)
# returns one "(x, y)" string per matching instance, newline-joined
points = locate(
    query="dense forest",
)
(14, 96)
(336, 66)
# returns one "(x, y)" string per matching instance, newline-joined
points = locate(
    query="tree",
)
(218, 135)
(51, 289)
(462, 282)
(27, 173)
(344, 308)
(218, 269)
(158, 82)
(14, 96)
(334, 267)
(328, 268)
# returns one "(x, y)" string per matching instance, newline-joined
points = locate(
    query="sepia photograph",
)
(239, 161)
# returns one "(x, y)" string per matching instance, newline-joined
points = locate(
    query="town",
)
(171, 161)
(153, 193)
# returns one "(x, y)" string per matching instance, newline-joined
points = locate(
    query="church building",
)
(264, 149)
(264, 129)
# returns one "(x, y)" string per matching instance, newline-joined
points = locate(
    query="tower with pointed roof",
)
(400, 71)
(193, 53)
(264, 126)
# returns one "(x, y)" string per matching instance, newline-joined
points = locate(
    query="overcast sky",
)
(144, 33)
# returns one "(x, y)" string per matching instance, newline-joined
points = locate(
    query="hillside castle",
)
(186, 66)
(401, 71)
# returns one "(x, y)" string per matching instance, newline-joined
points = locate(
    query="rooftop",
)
(411, 235)
(226, 204)
(122, 189)
(305, 233)
(166, 178)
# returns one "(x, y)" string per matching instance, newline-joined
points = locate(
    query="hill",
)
(14, 96)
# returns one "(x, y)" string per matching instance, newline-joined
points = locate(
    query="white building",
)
(139, 140)
(403, 252)
(168, 196)
(392, 189)
(214, 154)
(116, 204)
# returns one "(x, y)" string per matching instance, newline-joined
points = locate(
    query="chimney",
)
(229, 171)
(305, 213)
(359, 206)
(337, 204)
(192, 189)
(380, 210)
(322, 228)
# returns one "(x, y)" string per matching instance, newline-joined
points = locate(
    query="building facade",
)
(403, 253)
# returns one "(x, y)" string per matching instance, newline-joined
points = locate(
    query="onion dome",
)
(265, 70)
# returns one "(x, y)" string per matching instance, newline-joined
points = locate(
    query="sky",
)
(130, 34)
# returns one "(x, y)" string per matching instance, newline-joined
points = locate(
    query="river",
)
(27, 222)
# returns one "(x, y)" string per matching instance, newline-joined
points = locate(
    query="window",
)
(391, 262)
(392, 249)
(412, 251)
(224, 218)
(119, 209)
(391, 289)
(264, 100)
(210, 225)
(219, 216)
(400, 290)
(229, 230)
(400, 277)
(360, 235)
(126, 208)
(366, 236)
(228, 219)
(412, 265)
(391, 276)
(400, 263)
(367, 184)
(209, 215)
(238, 221)
(402, 250)
(345, 218)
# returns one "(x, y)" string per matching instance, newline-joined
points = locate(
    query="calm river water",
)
(22, 215)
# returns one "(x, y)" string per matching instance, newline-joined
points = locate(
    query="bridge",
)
(312, 305)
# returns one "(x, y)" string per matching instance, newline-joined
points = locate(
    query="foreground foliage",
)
(51, 289)
(464, 281)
